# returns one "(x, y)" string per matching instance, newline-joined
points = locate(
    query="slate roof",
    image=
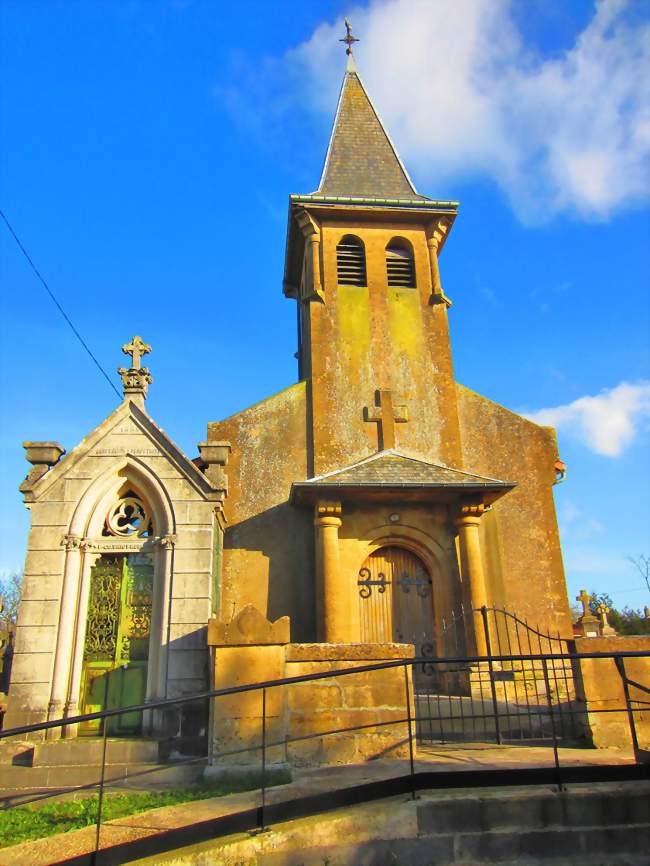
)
(390, 470)
(361, 160)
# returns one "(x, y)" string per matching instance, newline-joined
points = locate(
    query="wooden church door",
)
(116, 648)
(396, 604)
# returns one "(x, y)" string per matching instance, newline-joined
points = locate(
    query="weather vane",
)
(349, 39)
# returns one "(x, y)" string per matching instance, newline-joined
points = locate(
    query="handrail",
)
(513, 616)
(231, 690)
(260, 816)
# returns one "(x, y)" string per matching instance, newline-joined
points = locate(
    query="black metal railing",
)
(408, 724)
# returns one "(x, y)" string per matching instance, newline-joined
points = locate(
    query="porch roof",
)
(390, 475)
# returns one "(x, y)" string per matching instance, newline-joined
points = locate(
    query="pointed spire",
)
(361, 160)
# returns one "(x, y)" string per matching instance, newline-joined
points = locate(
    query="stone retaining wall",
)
(601, 688)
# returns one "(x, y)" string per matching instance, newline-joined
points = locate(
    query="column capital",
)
(327, 514)
(72, 542)
(167, 541)
(470, 513)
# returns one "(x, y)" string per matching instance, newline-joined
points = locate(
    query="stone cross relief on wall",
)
(385, 415)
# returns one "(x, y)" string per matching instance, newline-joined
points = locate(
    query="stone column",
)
(468, 523)
(79, 638)
(65, 632)
(161, 635)
(435, 233)
(335, 600)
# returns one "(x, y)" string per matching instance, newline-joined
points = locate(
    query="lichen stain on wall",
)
(501, 444)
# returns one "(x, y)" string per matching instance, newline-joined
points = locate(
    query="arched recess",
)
(133, 569)
(437, 552)
(396, 604)
(400, 263)
(87, 517)
(351, 261)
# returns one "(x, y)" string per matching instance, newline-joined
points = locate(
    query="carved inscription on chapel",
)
(116, 452)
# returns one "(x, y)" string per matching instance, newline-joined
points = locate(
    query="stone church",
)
(362, 507)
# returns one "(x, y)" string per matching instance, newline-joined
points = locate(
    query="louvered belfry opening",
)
(351, 262)
(400, 268)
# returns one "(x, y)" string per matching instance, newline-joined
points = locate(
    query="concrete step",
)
(89, 750)
(535, 811)
(16, 781)
(457, 716)
(599, 825)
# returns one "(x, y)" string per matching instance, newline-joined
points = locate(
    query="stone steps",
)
(44, 782)
(598, 825)
(65, 765)
(452, 717)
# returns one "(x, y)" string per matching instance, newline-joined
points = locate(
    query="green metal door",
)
(116, 649)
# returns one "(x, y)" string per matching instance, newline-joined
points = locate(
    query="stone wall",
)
(600, 688)
(373, 703)
(307, 724)
(268, 557)
(519, 535)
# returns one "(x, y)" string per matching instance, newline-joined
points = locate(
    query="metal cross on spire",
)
(349, 39)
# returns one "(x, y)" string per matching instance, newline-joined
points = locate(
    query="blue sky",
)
(149, 149)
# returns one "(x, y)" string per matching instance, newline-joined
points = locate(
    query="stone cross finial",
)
(602, 611)
(136, 349)
(584, 598)
(605, 628)
(135, 379)
(385, 415)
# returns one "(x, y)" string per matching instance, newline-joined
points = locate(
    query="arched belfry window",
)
(351, 262)
(400, 267)
(128, 517)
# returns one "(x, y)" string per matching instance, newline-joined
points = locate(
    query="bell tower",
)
(362, 264)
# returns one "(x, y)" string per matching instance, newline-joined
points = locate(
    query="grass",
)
(26, 823)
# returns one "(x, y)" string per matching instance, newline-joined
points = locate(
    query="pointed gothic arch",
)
(104, 533)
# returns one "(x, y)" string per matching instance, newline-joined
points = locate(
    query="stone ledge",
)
(306, 652)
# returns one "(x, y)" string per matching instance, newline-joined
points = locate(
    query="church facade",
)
(370, 503)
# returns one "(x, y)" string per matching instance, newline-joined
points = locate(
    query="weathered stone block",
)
(311, 696)
(44, 561)
(249, 627)
(35, 638)
(42, 587)
(190, 610)
(193, 560)
(601, 688)
(52, 513)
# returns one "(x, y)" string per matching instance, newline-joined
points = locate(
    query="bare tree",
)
(642, 565)
(10, 590)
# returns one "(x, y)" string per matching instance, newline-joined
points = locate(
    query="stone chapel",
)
(368, 503)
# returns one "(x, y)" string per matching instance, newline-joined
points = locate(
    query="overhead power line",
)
(58, 305)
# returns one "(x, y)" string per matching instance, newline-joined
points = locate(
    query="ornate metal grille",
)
(103, 610)
(137, 606)
(119, 609)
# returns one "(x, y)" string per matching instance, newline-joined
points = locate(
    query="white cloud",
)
(463, 95)
(606, 423)
(576, 525)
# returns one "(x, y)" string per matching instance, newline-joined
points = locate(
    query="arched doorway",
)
(396, 603)
(118, 623)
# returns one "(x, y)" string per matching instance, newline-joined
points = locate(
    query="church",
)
(355, 514)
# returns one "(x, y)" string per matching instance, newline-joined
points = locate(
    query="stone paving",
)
(53, 849)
